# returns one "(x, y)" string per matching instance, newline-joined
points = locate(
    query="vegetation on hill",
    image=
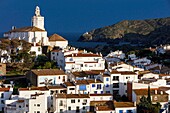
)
(18, 50)
(150, 31)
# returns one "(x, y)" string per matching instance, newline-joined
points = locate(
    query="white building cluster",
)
(85, 82)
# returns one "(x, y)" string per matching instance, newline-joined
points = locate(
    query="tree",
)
(47, 65)
(149, 95)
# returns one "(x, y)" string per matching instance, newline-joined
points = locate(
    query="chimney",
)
(156, 92)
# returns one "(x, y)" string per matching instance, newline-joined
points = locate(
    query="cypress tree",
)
(149, 95)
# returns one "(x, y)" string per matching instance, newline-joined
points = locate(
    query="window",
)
(64, 78)
(95, 92)
(99, 86)
(61, 103)
(59, 77)
(81, 65)
(101, 92)
(53, 57)
(120, 111)
(115, 77)
(2, 101)
(128, 111)
(57, 54)
(77, 109)
(38, 105)
(19, 106)
(93, 85)
(84, 108)
(107, 85)
(51, 92)
(71, 88)
(78, 100)
(53, 53)
(107, 79)
(2, 95)
(82, 87)
(108, 92)
(115, 85)
(34, 104)
(61, 110)
(38, 111)
(39, 49)
(124, 83)
(69, 108)
(27, 105)
(72, 101)
(127, 77)
(115, 92)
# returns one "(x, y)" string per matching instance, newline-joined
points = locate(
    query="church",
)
(37, 33)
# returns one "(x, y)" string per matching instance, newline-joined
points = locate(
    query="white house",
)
(84, 61)
(42, 77)
(116, 54)
(36, 103)
(125, 107)
(5, 94)
(57, 41)
(36, 48)
(71, 103)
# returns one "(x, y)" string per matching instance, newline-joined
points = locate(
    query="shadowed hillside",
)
(150, 31)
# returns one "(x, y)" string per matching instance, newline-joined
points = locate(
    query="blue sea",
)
(73, 37)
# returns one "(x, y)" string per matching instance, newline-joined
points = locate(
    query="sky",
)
(79, 16)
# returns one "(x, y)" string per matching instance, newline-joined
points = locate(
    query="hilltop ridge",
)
(149, 31)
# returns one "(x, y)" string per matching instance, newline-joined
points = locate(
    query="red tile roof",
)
(123, 104)
(72, 96)
(69, 83)
(47, 72)
(56, 37)
(152, 91)
(27, 29)
(4, 89)
(83, 55)
(33, 88)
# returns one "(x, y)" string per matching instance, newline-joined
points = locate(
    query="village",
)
(59, 78)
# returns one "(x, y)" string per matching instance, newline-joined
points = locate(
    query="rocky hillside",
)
(150, 31)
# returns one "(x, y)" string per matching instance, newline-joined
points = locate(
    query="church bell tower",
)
(37, 19)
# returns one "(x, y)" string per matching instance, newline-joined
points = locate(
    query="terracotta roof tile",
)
(127, 73)
(72, 96)
(56, 37)
(123, 104)
(20, 101)
(89, 81)
(69, 83)
(83, 55)
(4, 89)
(44, 72)
(152, 91)
(27, 29)
(33, 88)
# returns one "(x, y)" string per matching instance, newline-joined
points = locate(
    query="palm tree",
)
(47, 82)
